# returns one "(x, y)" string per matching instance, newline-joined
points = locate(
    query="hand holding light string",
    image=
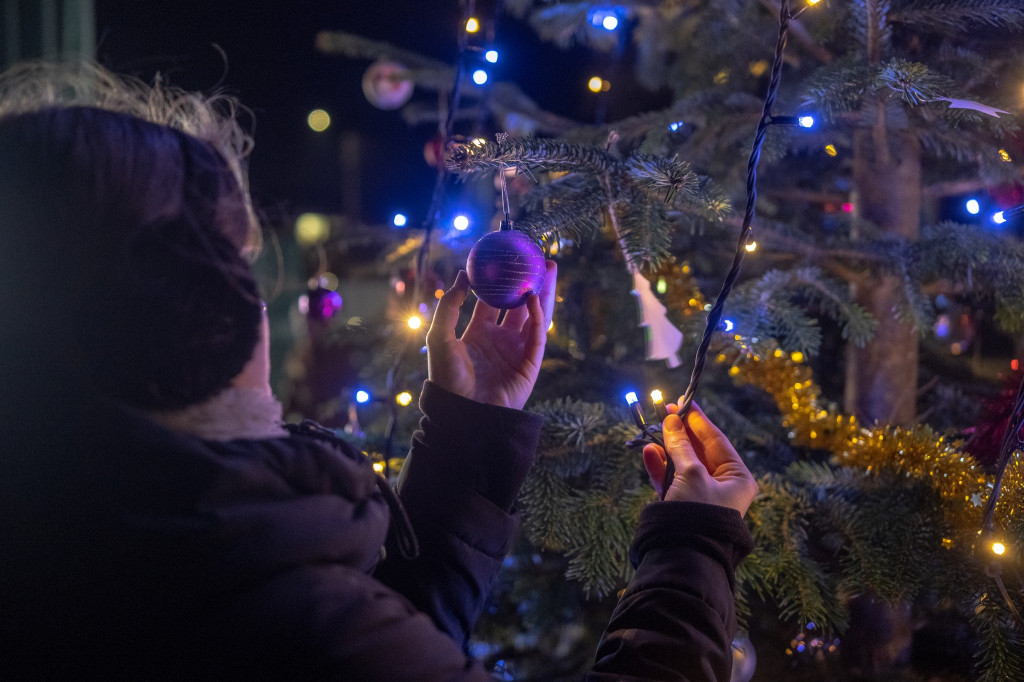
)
(697, 463)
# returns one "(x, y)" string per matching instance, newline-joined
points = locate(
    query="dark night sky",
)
(274, 68)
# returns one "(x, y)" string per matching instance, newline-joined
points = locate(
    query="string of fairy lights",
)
(744, 243)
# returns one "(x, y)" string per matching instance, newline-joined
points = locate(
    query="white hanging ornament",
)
(386, 85)
(663, 339)
(971, 104)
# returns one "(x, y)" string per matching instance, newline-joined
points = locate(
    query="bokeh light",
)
(319, 120)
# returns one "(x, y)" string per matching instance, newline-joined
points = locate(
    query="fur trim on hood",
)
(232, 414)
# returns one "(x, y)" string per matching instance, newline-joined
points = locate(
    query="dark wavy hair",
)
(125, 222)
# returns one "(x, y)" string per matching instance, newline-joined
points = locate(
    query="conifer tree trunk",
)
(881, 378)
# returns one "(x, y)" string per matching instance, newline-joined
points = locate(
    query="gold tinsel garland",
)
(916, 452)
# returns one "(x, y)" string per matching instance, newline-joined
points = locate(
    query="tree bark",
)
(881, 378)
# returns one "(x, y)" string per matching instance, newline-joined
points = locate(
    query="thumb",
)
(446, 315)
(677, 443)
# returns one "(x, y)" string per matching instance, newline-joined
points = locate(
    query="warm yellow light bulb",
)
(472, 25)
(797, 356)
(656, 396)
(595, 83)
(751, 246)
(479, 141)
(998, 548)
(813, 2)
(415, 322)
(378, 467)
(551, 326)
(831, 150)
(1005, 155)
(403, 398)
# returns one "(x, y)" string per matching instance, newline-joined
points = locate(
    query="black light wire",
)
(715, 315)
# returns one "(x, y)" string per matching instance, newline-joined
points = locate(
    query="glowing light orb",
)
(319, 120)
(362, 397)
(460, 222)
(400, 220)
(403, 398)
(312, 228)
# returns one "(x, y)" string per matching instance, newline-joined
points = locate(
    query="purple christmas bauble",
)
(323, 303)
(504, 268)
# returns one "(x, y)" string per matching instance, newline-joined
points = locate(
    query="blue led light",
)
(608, 19)
(479, 76)
(728, 325)
(491, 56)
(675, 125)
(805, 121)
(631, 398)
(460, 222)
(400, 220)
(999, 218)
(362, 397)
(972, 206)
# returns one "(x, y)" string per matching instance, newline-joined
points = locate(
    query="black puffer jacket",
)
(132, 552)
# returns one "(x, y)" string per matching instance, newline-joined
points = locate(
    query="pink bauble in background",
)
(385, 85)
(504, 268)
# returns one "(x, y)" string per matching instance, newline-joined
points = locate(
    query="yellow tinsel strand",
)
(915, 452)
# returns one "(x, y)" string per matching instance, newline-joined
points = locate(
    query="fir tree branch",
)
(651, 174)
(514, 152)
(358, 47)
(959, 16)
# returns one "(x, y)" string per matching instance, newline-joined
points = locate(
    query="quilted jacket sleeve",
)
(458, 485)
(677, 617)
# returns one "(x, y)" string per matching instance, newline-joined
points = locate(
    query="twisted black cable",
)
(715, 316)
(1011, 442)
(429, 223)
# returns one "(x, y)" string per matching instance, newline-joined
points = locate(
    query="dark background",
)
(264, 53)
